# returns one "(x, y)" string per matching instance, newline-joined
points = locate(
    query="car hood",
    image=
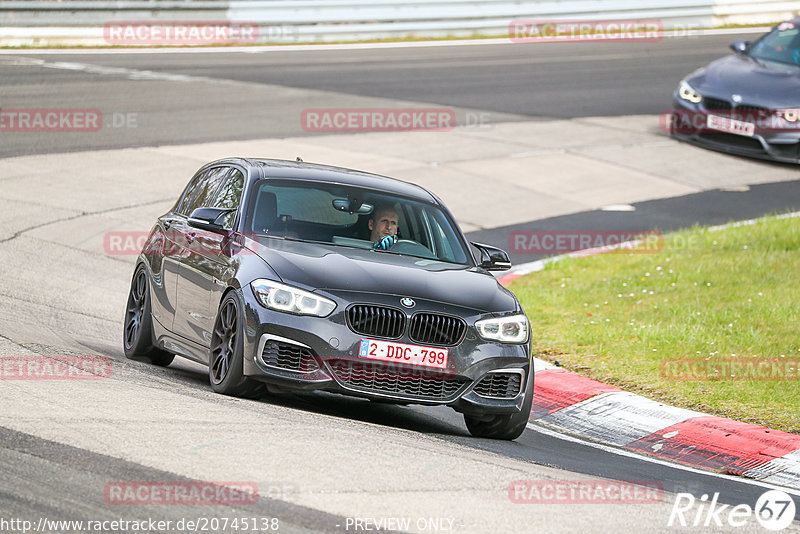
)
(327, 267)
(766, 84)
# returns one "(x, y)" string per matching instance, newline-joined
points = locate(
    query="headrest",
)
(266, 212)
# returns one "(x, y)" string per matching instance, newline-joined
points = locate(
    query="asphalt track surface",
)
(261, 94)
(662, 215)
(43, 477)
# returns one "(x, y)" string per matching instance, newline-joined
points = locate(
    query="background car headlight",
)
(791, 115)
(281, 297)
(513, 329)
(687, 92)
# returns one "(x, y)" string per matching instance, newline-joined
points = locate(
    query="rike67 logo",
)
(774, 510)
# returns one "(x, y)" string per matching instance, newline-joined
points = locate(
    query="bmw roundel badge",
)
(407, 302)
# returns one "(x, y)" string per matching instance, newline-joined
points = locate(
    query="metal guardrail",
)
(36, 22)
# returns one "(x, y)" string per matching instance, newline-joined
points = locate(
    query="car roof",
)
(299, 170)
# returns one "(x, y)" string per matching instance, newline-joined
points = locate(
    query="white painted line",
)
(555, 433)
(541, 365)
(750, 222)
(344, 46)
(784, 470)
(131, 74)
(618, 417)
(618, 207)
(735, 188)
(789, 478)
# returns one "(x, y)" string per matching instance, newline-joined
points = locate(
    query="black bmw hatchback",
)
(747, 103)
(293, 276)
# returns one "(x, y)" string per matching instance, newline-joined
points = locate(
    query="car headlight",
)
(687, 92)
(281, 297)
(513, 329)
(791, 115)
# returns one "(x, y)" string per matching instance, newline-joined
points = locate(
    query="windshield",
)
(346, 216)
(781, 44)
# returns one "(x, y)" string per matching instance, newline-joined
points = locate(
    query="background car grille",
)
(378, 378)
(753, 110)
(376, 321)
(499, 385)
(436, 329)
(289, 357)
(716, 103)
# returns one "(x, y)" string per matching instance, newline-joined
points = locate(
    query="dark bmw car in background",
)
(265, 271)
(747, 103)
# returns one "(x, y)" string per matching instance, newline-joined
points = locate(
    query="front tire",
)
(137, 333)
(503, 426)
(226, 358)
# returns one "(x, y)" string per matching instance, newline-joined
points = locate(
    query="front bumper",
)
(304, 353)
(766, 143)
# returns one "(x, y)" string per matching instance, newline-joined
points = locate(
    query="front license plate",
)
(729, 125)
(387, 351)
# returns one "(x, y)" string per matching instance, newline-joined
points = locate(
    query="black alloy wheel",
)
(226, 358)
(137, 335)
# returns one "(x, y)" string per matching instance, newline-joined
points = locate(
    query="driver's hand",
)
(385, 242)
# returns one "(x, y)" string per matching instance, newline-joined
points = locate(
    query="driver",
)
(383, 227)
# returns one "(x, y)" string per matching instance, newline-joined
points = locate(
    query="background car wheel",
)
(503, 426)
(137, 333)
(226, 360)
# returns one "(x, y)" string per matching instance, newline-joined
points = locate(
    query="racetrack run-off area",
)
(564, 135)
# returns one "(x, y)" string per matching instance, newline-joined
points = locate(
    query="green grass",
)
(730, 294)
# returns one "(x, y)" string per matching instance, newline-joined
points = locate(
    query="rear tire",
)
(226, 357)
(503, 426)
(137, 333)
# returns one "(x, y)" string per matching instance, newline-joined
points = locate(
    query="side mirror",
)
(209, 219)
(740, 46)
(493, 258)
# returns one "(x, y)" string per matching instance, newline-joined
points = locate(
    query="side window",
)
(229, 196)
(444, 238)
(207, 188)
(191, 189)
